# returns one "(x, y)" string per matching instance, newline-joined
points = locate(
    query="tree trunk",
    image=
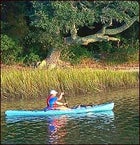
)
(53, 58)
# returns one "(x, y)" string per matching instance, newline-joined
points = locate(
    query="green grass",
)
(29, 83)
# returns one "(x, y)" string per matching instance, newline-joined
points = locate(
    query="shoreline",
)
(115, 68)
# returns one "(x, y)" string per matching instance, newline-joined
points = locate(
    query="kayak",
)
(105, 115)
(93, 108)
(85, 109)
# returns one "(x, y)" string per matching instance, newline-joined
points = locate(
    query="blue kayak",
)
(105, 115)
(93, 108)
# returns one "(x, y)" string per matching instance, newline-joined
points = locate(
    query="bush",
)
(75, 54)
(10, 50)
(124, 53)
(31, 59)
(112, 53)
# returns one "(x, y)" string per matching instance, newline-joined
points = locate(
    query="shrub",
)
(10, 50)
(75, 54)
(31, 58)
(112, 53)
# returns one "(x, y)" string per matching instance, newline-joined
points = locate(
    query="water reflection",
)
(57, 129)
(58, 126)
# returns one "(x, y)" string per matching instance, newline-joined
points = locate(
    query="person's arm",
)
(60, 103)
(61, 95)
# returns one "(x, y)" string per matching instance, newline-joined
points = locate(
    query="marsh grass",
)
(29, 83)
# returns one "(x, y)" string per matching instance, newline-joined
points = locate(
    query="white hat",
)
(53, 92)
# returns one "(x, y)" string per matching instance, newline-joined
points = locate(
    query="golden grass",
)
(28, 83)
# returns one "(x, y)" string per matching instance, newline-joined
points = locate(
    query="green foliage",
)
(10, 50)
(58, 18)
(41, 25)
(112, 53)
(75, 54)
(13, 19)
(31, 59)
(120, 11)
(55, 17)
(126, 52)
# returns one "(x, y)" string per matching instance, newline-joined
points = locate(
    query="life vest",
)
(48, 104)
(47, 100)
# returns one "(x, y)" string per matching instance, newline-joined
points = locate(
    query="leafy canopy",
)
(58, 17)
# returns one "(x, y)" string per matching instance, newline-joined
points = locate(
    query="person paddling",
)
(53, 101)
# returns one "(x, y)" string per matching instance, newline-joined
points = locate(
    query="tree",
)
(14, 29)
(13, 19)
(55, 25)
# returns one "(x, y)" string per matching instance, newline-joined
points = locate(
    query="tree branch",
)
(73, 32)
(90, 39)
(101, 35)
(122, 28)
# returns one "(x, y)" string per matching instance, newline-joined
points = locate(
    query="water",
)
(118, 127)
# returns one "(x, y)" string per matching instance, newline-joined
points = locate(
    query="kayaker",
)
(53, 101)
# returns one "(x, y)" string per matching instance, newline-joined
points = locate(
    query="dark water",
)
(118, 127)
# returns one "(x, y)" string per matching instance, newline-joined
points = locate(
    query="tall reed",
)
(29, 83)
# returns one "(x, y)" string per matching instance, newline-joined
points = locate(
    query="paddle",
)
(65, 101)
(61, 87)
